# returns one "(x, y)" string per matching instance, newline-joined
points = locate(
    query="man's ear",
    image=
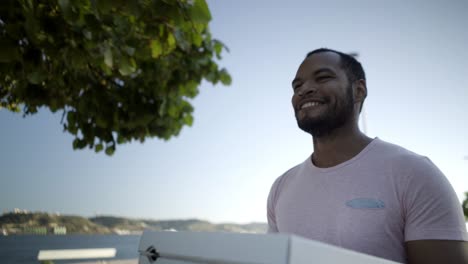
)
(360, 91)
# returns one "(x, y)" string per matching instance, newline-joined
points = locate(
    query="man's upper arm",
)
(435, 230)
(437, 251)
(271, 202)
(432, 209)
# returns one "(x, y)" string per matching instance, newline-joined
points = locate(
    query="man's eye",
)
(323, 78)
(297, 86)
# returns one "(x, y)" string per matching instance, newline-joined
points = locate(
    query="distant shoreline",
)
(39, 223)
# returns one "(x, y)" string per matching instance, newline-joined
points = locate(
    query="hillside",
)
(44, 223)
(120, 223)
(25, 223)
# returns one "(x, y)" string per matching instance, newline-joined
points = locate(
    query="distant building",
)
(39, 230)
(20, 211)
(59, 230)
(121, 231)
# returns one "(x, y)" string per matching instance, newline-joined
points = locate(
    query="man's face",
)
(323, 97)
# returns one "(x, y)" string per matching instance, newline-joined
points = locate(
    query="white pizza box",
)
(162, 247)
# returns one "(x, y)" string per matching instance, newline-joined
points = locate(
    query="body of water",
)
(23, 249)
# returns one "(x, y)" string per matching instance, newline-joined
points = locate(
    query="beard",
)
(331, 119)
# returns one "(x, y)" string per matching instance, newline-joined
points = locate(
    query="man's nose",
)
(307, 88)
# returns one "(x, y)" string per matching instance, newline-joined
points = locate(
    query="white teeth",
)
(310, 104)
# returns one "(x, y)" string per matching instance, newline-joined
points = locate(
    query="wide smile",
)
(310, 104)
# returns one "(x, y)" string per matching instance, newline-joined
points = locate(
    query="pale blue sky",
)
(245, 136)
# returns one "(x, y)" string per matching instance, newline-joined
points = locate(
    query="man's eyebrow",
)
(316, 72)
(297, 79)
(323, 70)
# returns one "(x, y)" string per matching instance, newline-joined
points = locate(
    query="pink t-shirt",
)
(372, 203)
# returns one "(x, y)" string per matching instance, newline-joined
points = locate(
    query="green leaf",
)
(120, 139)
(224, 77)
(36, 77)
(71, 118)
(110, 150)
(199, 27)
(129, 50)
(99, 147)
(156, 48)
(188, 119)
(108, 57)
(218, 47)
(127, 66)
(171, 41)
(173, 110)
(53, 105)
(181, 41)
(88, 34)
(162, 108)
(199, 12)
(79, 143)
(190, 89)
(31, 26)
(197, 39)
(105, 69)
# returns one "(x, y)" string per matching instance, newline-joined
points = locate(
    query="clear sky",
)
(245, 135)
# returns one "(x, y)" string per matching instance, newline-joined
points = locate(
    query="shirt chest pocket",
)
(370, 221)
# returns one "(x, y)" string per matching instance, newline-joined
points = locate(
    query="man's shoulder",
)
(398, 154)
(407, 162)
(286, 176)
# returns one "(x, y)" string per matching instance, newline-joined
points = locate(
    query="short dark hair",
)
(350, 65)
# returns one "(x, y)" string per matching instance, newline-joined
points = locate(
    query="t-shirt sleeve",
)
(432, 209)
(272, 227)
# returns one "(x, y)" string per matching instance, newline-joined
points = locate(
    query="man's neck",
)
(340, 145)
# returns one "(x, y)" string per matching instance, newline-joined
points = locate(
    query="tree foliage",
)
(119, 70)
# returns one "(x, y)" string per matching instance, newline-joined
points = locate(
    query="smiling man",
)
(356, 192)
